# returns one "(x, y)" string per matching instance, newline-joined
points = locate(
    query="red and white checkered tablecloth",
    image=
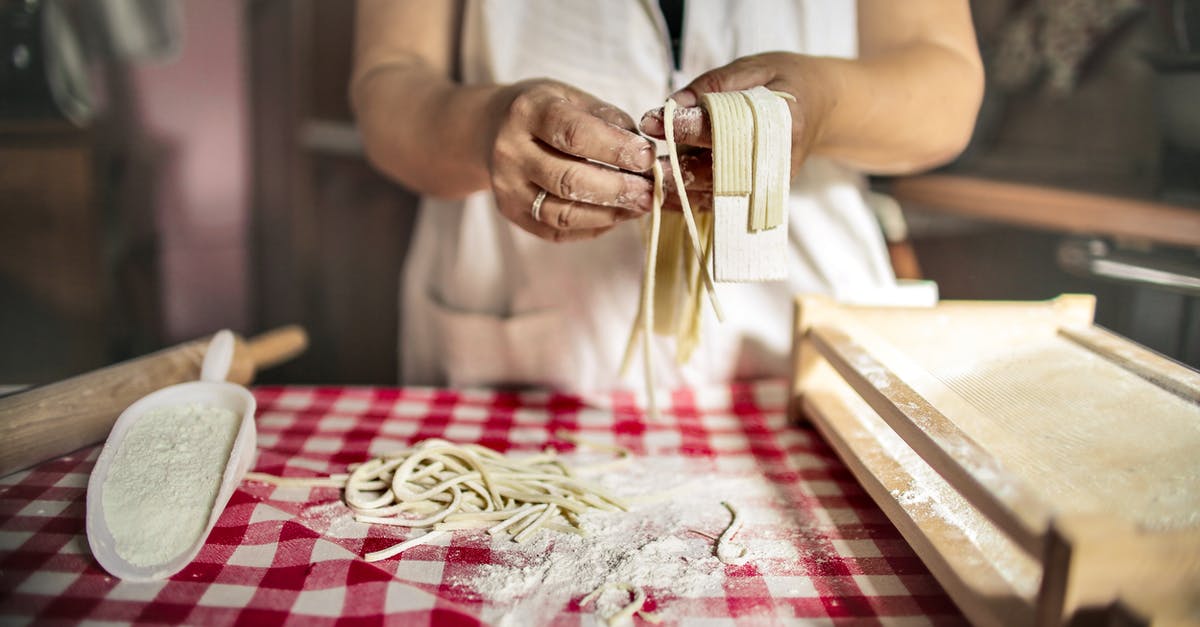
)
(275, 557)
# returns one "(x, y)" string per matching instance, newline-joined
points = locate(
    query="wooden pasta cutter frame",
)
(1007, 547)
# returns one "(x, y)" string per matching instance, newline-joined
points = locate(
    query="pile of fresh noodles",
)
(438, 487)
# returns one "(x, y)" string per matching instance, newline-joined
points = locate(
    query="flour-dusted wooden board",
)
(989, 577)
(1081, 447)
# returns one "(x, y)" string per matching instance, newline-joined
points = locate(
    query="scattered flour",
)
(653, 547)
(650, 547)
(164, 479)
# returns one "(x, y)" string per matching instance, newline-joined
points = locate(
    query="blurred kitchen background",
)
(168, 168)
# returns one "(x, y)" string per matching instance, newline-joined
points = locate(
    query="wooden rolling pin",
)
(55, 419)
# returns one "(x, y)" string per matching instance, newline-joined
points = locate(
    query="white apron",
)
(485, 303)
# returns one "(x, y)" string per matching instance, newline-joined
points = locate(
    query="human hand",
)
(777, 71)
(582, 152)
(695, 158)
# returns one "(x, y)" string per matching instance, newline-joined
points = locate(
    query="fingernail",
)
(684, 98)
(652, 123)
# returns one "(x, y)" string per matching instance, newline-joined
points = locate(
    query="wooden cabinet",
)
(329, 233)
(54, 286)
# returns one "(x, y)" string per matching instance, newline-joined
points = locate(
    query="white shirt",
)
(485, 303)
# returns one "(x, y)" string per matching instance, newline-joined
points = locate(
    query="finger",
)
(613, 116)
(742, 74)
(581, 181)
(601, 109)
(691, 125)
(565, 214)
(576, 131)
(551, 234)
(696, 171)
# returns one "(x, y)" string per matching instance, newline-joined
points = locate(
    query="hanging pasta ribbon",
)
(743, 239)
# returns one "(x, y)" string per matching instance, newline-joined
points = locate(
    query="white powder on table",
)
(651, 547)
(164, 480)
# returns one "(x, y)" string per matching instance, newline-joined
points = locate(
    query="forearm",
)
(907, 103)
(423, 129)
(911, 109)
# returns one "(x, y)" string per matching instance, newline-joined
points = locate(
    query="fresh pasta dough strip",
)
(670, 259)
(438, 487)
(574, 485)
(537, 523)
(639, 321)
(772, 156)
(521, 514)
(626, 613)
(751, 134)
(403, 546)
(493, 515)
(552, 526)
(669, 268)
(647, 318)
(462, 525)
(332, 481)
(727, 551)
(552, 499)
(688, 218)
(688, 336)
(764, 152)
(733, 143)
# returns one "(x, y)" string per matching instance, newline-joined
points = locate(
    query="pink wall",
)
(197, 105)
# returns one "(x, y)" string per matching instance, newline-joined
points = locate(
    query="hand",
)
(695, 156)
(696, 166)
(582, 151)
(777, 71)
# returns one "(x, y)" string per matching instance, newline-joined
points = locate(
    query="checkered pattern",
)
(279, 555)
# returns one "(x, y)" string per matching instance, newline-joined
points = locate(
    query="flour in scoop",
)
(164, 480)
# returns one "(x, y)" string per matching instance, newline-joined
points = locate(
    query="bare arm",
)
(910, 101)
(418, 125)
(907, 103)
(439, 137)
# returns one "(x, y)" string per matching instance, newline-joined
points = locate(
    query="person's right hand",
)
(585, 153)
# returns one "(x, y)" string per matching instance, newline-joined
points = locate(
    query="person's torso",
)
(501, 306)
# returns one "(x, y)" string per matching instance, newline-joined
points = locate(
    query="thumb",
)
(742, 74)
(691, 126)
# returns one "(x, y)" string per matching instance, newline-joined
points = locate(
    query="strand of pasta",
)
(688, 332)
(644, 323)
(332, 481)
(626, 613)
(725, 542)
(751, 160)
(403, 546)
(648, 292)
(689, 219)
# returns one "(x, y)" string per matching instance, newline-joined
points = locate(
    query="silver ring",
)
(536, 209)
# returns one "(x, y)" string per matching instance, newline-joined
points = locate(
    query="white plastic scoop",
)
(211, 390)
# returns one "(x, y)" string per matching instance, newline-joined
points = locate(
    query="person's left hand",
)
(775, 71)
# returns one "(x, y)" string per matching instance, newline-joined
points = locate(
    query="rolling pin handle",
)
(277, 346)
